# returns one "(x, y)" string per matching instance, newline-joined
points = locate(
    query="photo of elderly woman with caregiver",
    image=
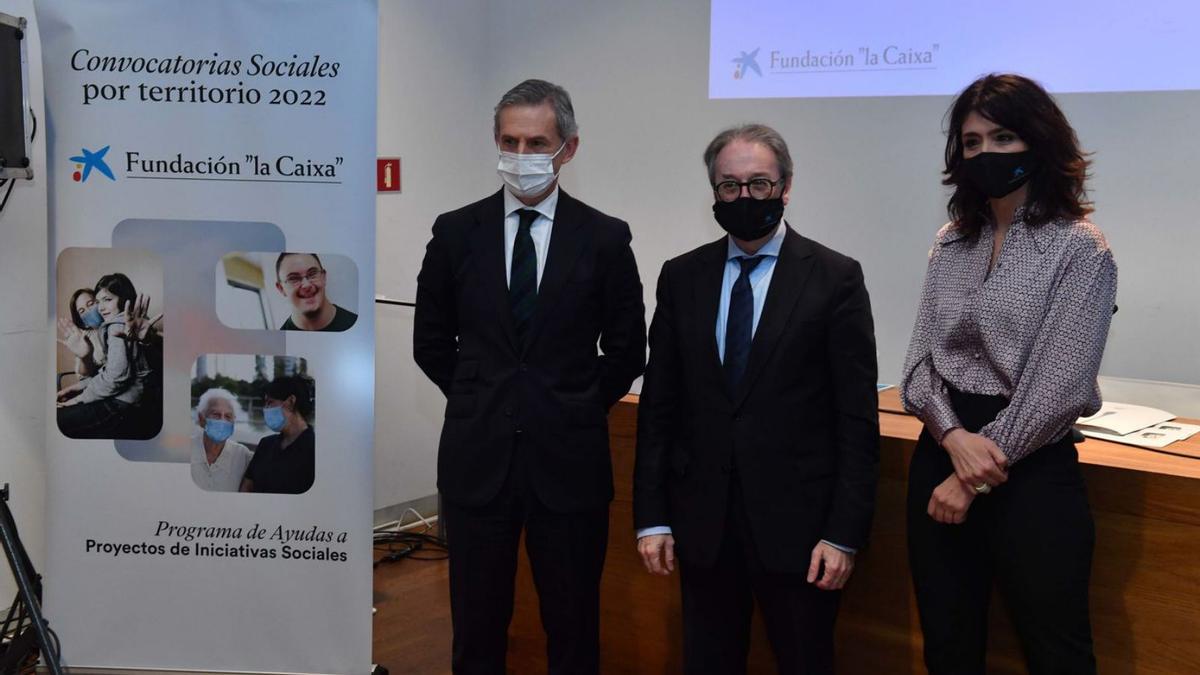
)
(1011, 327)
(119, 364)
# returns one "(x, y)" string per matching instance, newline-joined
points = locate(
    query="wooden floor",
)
(412, 617)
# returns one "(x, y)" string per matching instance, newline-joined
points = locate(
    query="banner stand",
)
(210, 379)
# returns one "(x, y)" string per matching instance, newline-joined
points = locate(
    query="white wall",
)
(24, 359)
(435, 114)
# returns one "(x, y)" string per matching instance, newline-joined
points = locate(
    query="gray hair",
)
(752, 133)
(536, 92)
(214, 394)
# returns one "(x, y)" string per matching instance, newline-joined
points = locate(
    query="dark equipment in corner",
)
(23, 632)
(15, 150)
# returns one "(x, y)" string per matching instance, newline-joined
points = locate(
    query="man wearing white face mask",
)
(530, 319)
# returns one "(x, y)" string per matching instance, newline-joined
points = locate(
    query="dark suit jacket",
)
(802, 431)
(554, 391)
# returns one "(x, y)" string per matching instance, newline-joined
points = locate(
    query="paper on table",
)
(1156, 436)
(1121, 419)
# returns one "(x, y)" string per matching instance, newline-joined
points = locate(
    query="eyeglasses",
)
(759, 188)
(310, 276)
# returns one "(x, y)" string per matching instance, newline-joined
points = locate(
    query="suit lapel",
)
(787, 284)
(567, 239)
(709, 273)
(489, 251)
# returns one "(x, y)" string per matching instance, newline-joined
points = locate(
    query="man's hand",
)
(950, 501)
(658, 553)
(833, 566)
(977, 459)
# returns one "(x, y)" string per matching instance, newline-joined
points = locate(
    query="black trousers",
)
(718, 602)
(98, 419)
(566, 553)
(1032, 536)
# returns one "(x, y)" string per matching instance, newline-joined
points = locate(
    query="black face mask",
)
(747, 218)
(997, 174)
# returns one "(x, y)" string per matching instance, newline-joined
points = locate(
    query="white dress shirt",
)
(539, 230)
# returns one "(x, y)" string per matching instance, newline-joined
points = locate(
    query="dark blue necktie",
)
(522, 279)
(739, 328)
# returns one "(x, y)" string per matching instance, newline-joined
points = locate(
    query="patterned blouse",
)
(1033, 330)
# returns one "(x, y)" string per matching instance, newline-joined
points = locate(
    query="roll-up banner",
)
(212, 385)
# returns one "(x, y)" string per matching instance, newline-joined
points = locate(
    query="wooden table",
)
(1145, 577)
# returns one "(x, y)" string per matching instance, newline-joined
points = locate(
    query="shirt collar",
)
(545, 207)
(771, 248)
(1041, 235)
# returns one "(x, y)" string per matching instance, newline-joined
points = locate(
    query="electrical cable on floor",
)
(17, 624)
(398, 544)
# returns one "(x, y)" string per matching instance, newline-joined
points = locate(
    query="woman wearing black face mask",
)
(1012, 324)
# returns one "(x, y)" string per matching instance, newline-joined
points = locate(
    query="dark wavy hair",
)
(299, 386)
(120, 286)
(1057, 187)
(75, 318)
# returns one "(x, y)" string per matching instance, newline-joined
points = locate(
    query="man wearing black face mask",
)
(758, 435)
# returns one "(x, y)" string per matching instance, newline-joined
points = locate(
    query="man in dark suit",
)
(515, 293)
(758, 435)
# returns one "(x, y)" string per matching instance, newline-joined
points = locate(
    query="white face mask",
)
(527, 175)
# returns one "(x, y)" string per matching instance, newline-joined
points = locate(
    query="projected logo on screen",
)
(747, 61)
(930, 47)
(84, 163)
